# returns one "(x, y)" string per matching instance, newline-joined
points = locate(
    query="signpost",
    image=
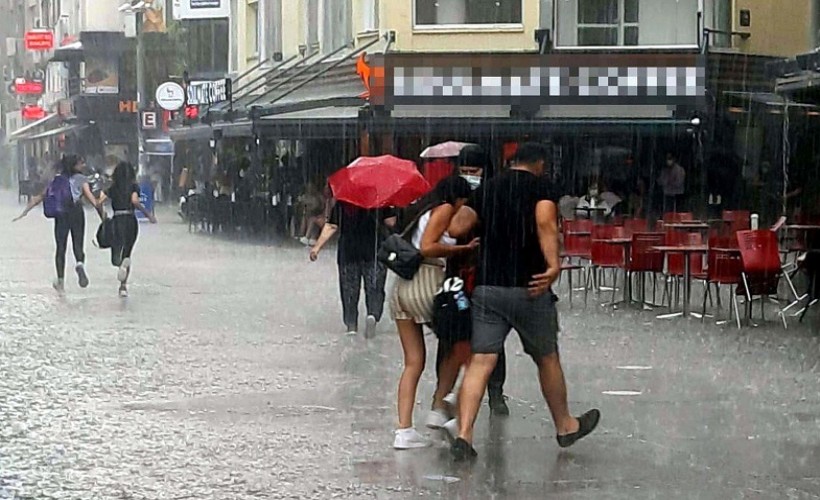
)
(149, 120)
(208, 92)
(170, 96)
(27, 87)
(33, 112)
(39, 39)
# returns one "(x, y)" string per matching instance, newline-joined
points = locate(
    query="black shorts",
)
(497, 310)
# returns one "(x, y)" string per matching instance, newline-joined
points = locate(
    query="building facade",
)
(318, 82)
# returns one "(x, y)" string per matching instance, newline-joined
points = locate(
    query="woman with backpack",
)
(412, 300)
(125, 199)
(62, 201)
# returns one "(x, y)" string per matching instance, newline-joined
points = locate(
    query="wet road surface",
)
(227, 375)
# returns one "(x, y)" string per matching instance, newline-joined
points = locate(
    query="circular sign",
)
(170, 96)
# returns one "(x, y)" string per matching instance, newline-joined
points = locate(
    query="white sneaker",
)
(451, 399)
(451, 427)
(123, 291)
(370, 327)
(407, 439)
(303, 240)
(352, 333)
(124, 270)
(437, 418)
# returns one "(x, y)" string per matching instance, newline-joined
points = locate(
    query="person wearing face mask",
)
(471, 164)
(593, 200)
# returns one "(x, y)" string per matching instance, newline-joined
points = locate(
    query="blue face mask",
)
(473, 180)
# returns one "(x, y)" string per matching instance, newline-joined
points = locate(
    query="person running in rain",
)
(360, 234)
(71, 216)
(517, 219)
(411, 301)
(125, 198)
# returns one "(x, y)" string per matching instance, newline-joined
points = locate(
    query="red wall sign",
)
(33, 113)
(27, 87)
(39, 40)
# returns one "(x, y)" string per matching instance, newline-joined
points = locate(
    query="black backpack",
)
(452, 314)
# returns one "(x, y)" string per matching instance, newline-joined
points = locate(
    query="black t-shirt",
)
(510, 252)
(360, 231)
(121, 199)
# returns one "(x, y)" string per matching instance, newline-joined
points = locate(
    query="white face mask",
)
(474, 180)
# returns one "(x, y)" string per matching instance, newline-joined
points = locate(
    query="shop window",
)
(626, 23)
(467, 12)
(312, 24)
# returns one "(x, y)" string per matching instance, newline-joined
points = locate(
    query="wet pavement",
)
(227, 375)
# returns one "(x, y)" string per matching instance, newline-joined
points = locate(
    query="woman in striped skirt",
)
(412, 300)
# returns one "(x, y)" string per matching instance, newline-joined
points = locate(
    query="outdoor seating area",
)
(639, 261)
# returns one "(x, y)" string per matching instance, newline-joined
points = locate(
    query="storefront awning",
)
(241, 128)
(191, 133)
(325, 122)
(51, 133)
(25, 131)
(159, 147)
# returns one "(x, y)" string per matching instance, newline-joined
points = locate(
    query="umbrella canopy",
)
(378, 182)
(449, 149)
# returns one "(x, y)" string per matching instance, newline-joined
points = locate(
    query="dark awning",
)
(191, 133)
(325, 122)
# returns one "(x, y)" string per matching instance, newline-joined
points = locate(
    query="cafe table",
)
(686, 251)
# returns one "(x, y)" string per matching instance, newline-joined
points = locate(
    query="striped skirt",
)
(413, 299)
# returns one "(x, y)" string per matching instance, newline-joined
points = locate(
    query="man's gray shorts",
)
(497, 310)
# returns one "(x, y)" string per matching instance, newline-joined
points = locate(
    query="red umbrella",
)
(378, 182)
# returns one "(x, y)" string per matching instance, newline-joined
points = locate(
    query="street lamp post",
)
(137, 7)
(140, 67)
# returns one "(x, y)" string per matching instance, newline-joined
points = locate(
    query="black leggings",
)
(72, 222)
(125, 229)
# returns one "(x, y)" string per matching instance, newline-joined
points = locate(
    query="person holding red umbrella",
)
(366, 192)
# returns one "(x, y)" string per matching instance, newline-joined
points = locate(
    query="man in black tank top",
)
(516, 218)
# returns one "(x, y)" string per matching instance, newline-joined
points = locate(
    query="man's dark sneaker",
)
(498, 405)
(587, 423)
(462, 450)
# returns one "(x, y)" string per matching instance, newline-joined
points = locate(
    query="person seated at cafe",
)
(592, 199)
(312, 209)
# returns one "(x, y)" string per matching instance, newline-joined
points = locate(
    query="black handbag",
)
(105, 233)
(399, 255)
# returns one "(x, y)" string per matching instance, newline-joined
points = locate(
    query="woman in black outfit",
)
(125, 198)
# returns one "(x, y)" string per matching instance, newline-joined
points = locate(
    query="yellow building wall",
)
(778, 28)
(398, 16)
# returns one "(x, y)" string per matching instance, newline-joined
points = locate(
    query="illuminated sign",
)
(39, 40)
(205, 93)
(27, 87)
(33, 112)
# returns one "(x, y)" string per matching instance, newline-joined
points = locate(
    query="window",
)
(312, 24)
(370, 15)
(252, 29)
(607, 22)
(461, 12)
(336, 24)
(626, 23)
(271, 33)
